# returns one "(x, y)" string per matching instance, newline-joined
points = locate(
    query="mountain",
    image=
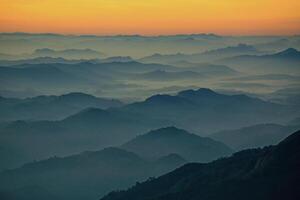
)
(68, 53)
(117, 59)
(89, 129)
(206, 68)
(239, 49)
(276, 44)
(37, 60)
(207, 56)
(205, 111)
(51, 107)
(254, 136)
(200, 111)
(161, 75)
(271, 77)
(35, 76)
(173, 140)
(82, 176)
(270, 173)
(164, 59)
(287, 61)
(135, 67)
(57, 78)
(61, 60)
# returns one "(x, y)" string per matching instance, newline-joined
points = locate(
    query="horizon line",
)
(149, 35)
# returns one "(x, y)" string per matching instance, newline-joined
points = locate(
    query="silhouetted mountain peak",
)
(260, 170)
(164, 98)
(291, 142)
(200, 92)
(167, 131)
(290, 52)
(76, 95)
(245, 46)
(170, 140)
(234, 49)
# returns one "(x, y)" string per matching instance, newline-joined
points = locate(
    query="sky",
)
(151, 17)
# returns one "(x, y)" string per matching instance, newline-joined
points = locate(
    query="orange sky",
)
(151, 17)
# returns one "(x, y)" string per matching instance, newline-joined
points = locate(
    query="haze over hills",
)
(160, 75)
(206, 68)
(87, 175)
(205, 111)
(117, 82)
(200, 111)
(254, 136)
(51, 107)
(62, 78)
(207, 56)
(266, 77)
(287, 61)
(269, 173)
(172, 140)
(68, 53)
(89, 129)
(61, 96)
(38, 60)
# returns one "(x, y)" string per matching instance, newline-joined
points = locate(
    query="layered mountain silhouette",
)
(268, 77)
(61, 60)
(62, 77)
(204, 110)
(117, 59)
(38, 60)
(89, 129)
(51, 107)
(254, 136)
(173, 140)
(286, 61)
(207, 56)
(68, 53)
(47, 76)
(200, 111)
(206, 68)
(268, 173)
(160, 75)
(82, 176)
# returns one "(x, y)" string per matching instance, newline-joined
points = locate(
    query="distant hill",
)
(199, 111)
(89, 129)
(254, 136)
(68, 53)
(160, 75)
(62, 77)
(287, 61)
(271, 77)
(51, 107)
(240, 49)
(40, 78)
(52, 60)
(207, 56)
(37, 60)
(206, 68)
(205, 111)
(82, 176)
(172, 140)
(117, 59)
(271, 173)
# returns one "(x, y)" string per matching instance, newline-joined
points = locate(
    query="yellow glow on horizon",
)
(151, 17)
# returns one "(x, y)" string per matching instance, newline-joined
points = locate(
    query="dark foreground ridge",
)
(261, 174)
